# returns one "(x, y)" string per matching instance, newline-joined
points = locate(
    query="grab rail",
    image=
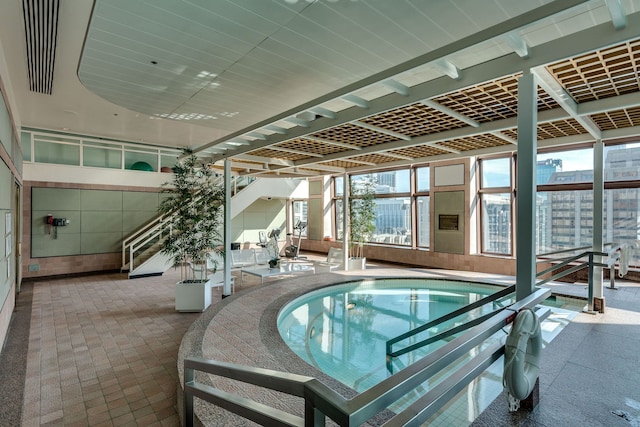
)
(462, 310)
(574, 266)
(320, 401)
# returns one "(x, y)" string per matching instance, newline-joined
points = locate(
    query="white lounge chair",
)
(335, 261)
(243, 258)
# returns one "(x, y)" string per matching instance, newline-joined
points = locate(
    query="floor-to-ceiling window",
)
(395, 212)
(496, 197)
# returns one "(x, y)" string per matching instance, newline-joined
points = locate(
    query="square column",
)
(526, 185)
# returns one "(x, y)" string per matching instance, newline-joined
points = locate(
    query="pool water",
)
(342, 330)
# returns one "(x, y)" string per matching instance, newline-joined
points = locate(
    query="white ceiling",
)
(199, 72)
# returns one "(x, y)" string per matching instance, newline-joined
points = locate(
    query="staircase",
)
(141, 254)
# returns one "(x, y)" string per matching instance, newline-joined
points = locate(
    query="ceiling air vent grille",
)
(41, 30)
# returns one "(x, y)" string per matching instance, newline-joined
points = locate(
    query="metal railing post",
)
(590, 292)
(312, 416)
(189, 377)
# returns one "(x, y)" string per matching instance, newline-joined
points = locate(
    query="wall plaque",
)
(448, 222)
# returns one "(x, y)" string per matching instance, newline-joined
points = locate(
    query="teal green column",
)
(346, 226)
(526, 186)
(226, 290)
(598, 209)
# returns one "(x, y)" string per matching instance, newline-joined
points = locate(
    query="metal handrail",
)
(321, 401)
(564, 262)
(462, 310)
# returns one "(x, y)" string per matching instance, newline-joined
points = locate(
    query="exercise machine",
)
(293, 251)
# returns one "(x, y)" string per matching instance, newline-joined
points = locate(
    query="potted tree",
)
(362, 217)
(195, 202)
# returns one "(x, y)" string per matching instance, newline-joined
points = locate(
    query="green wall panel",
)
(132, 220)
(138, 201)
(65, 244)
(100, 243)
(39, 224)
(101, 221)
(6, 182)
(101, 200)
(52, 199)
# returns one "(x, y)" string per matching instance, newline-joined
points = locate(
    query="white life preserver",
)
(522, 354)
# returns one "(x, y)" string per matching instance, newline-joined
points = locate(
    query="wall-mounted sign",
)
(447, 222)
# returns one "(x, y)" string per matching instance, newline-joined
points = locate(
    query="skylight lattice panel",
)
(354, 135)
(377, 158)
(414, 120)
(486, 102)
(617, 119)
(339, 163)
(601, 74)
(559, 129)
(475, 142)
(552, 130)
(276, 154)
(420, 151)
(311, 146)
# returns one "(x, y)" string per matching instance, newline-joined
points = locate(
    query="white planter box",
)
(357, 264)
(192, 297)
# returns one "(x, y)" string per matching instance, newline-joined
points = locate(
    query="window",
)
(300, 214)
(394, 215)
(423, 221)
(422, 179)
(496, 218)
(564, 220)
(565, 167)
(423, 201)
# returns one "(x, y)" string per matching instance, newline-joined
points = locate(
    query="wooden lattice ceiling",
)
(453, 123)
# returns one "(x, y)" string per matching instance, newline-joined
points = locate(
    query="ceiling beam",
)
(356, 100)
(324, 112)
(381, 130)
(617, 13)
(335, 143)
(562, 97)
(450, 112)
(289, 150)
(447, 68)
(396, 86)
(517, 43)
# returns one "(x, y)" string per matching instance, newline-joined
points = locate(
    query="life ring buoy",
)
(522, 355)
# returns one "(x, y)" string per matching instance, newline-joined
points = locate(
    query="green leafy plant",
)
(195, 200)
(362, 215)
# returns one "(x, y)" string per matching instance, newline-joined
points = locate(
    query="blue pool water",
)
(342, 330)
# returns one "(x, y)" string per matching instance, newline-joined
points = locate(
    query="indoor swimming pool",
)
(343, 331)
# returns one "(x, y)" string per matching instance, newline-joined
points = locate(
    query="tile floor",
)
(102, 352)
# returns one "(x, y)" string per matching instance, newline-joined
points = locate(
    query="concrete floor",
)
(102, 351)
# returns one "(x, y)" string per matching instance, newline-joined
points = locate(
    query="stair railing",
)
(162, 225)
(320, 401)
